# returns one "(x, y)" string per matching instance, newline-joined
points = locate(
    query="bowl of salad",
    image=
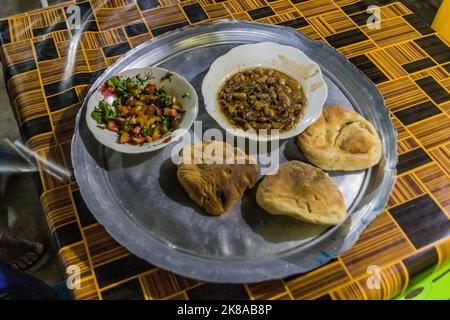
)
(141, 110)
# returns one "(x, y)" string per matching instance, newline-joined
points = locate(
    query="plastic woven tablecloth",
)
(49, 66)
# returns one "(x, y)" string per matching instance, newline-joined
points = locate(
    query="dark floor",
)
(20, 209)
(22, 216)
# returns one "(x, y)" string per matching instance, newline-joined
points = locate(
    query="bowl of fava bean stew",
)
(264, 91)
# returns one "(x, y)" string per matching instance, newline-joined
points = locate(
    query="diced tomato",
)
(137, 130)
(112, 126)
(106, 92)
(137, 140)
(151, 110)
(150, 88)
(170, 112)
(174, 124)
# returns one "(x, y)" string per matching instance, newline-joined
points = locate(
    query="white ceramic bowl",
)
(176, 87)
(289, 60)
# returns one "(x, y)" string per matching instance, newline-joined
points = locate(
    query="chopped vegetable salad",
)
(141, 112)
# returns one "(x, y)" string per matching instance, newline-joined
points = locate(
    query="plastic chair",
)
(433, 287)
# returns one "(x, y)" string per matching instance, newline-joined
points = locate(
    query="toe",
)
(29, 258)
(20, 252)
(32, 255)
(39, 248)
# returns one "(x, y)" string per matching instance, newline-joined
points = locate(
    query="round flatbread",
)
(303, 192)
(215, 175)
(341, 140)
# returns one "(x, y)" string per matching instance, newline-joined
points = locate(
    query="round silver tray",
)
(141, 204)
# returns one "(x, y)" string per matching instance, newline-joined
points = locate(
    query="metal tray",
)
(141, 204)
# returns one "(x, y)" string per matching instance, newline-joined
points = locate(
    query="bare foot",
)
(19, 253)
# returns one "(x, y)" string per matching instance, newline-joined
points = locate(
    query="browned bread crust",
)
(216, 187)
(341, 140)
(304, 192)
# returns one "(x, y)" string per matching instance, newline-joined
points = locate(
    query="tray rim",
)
(252, 276)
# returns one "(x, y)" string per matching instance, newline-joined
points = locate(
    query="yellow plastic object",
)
(441, 22)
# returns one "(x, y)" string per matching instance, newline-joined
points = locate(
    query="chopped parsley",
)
(165, 123)
(167, 76)
(142, 80)
(162, 99)
(104, 112)
(145, 131)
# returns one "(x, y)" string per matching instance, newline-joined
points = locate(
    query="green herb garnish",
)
(186, 95)
(115, 82)
(145, 131)
(165, 123)
(162, 99)
(167, 76)
(148, 76)
(97, 115)
(119, 86)
(110, 112)
(117, 102)
(104, 113)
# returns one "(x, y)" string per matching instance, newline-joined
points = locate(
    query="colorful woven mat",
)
(49, 67)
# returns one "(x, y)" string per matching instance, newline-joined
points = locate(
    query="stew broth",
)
(262, 98)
